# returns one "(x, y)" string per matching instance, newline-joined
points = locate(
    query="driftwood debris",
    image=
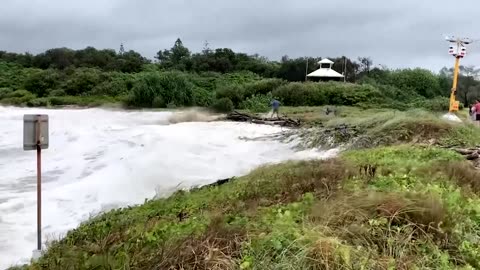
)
(472, 154)
(281, 121)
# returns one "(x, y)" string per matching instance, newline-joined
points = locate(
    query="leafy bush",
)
(172, 87)
(235, 93)
(262, 87)
(110, 88)
(38, 102)
(205, 80)
(348, 94)
(58, 101)
(42, 82)
(295, 94)
(19, 97)
(158, 102)
(257, 103)
(421, 81)
(241, 77)
(223, 105)
(13, 75)
(57, 93)
(90, 101)
(332, 93)
(202, 97)
(19, 93)
(82, 80)
(437, 104)
(113, 84)
(5, 91)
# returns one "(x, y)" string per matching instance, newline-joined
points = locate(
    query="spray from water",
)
(451, 117)
(193, 115)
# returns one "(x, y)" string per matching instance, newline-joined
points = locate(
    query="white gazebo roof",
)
(325, 61)
(325, 72)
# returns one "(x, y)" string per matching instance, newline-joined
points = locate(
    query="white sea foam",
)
(99, 159)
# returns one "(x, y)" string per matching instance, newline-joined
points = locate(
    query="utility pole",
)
(458, 50)
(306, 70)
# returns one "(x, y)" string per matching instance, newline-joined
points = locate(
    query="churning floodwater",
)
(99, 159)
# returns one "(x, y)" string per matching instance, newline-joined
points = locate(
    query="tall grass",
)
(297, 215)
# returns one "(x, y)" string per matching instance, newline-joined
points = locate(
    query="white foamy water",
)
(100, 159)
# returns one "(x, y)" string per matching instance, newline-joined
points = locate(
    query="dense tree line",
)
(218, 77)
(179, 57)
(63, 58)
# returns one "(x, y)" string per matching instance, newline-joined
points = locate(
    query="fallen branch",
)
(465, 151)
(471, 154)
(281, 121)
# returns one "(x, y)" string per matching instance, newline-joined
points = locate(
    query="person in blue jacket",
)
(275, 106)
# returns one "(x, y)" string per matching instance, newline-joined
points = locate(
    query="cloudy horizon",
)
(396, 34)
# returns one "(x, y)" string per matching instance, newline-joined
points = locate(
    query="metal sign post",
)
(35, 137)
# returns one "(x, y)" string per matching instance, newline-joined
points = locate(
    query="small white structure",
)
(459, 51)
(325, 72)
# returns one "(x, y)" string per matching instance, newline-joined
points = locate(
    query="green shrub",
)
(57, 93)
(110, 88)
(262, 87)
(205, 80)
(171, 105)
(5, 91)
(91, 101)
(235, 93)
(346, 94)
(294, 94)
(158, 102)
(173, 87)
(241, 77)
(38, 102)
(82, 81)
(58, 101)
(223, 105)
(257, 103)
(42, 82)
(437, 104)
(19, 93)
(202, 97)
(13, 75)
(421, 81)
(19, 97)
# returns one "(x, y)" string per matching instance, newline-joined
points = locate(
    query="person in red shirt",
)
(476, 111)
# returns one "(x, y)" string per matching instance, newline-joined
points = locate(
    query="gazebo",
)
(325, 72)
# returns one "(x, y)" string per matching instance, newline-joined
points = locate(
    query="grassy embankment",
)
(400, 202)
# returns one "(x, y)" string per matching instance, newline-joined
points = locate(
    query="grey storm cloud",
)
(396, 33)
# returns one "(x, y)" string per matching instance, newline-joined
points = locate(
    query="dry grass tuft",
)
(322, 179)
(324, 254)
(288, 182)
(217, 248)
(461, 172)
(388, 224)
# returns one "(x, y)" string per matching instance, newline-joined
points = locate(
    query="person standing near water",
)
(275, 106)
(476, 112)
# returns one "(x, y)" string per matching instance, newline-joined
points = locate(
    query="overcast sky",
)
(396, 33)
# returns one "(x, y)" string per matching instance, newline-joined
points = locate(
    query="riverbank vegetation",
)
(217, 78)
(402, 203)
